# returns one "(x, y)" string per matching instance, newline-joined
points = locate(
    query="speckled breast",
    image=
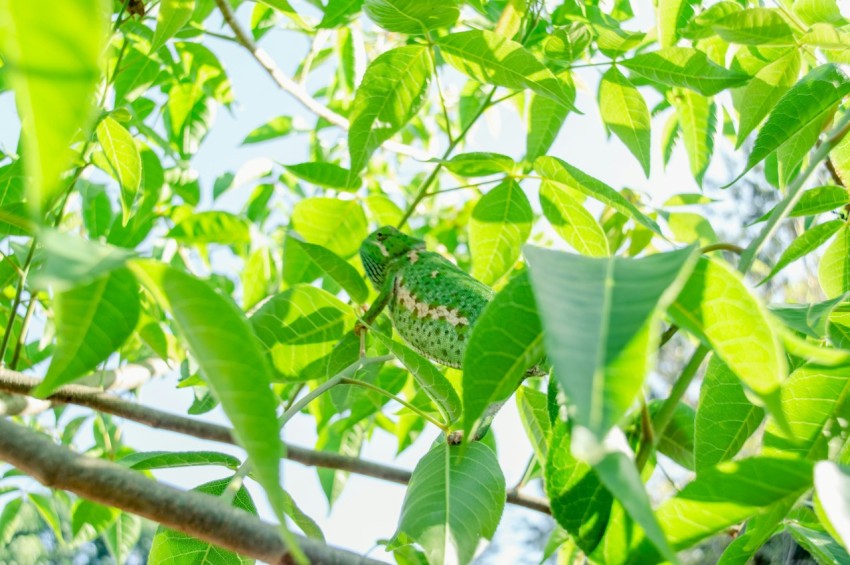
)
(435, 305)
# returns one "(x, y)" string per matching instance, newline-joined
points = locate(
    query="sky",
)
(582, 142)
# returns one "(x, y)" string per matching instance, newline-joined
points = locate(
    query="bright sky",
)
(368, 509)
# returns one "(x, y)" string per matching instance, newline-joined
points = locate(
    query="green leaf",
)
(832, 485)
(173, 15)
(814, 11)
(391, 93)
(298, 328)
(500, 225)
(144, 460)
(46, 507)
(491, 58)
(506, 341)
(685, 67)
(625, 113)
(729, 493)
(284, 7)
(10, 519)
(337, 269)
(122, 536)
(812, 398)
(810, 240)
(600, 317)
(272, 129)
(545, 119)
(673, 15)
(809, 103)
(52, 53)
(479, 164)
(819, 544)
(618, 473)
(568, 178)
(173, 547)
(746, 341)
(534, 415)
(689, 228)
(339, 12)
(834, 268)
(342, 437)
(678, 440)
(572, 221)
(231, 361)
(327, 175)
(259, 277)
(429, 379)
(211, 226)
(755, 26)
(566, 44)
(819, 200)
(92, 322)
(580, 503)
(451, 502)
(412, 16)
(697, 123)
(123, 160)
(755, 100)
(89, 519)
(337, 225)
(725, 418)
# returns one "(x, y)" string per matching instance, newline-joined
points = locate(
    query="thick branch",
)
(17, 383)
(295, 89)
(201, 516)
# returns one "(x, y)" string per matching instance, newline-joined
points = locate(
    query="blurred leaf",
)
(123, 161)
(92, 322)
(832, 485)
(52, 52)
(173, 15)
(479, 164)
(327, 175)
(451, 502)
(121, 537)
(274, 128)
(678, 440)
(208, 227)
(338, 225)
(89, 519)
(819, 544)
(834, 268)
(755, 26)
(144, 460)
(600, 330)
(685, 67)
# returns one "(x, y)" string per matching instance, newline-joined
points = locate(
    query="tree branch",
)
(295, 89)
(18, 383)
(201, 516)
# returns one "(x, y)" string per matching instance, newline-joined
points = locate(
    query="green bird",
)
(433, 304)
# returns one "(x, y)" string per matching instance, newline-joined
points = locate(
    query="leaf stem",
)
(388, 394)
(423, 188)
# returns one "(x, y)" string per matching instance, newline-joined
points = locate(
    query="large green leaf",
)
(326, 174)
(808, 104)
(89, 519)
(338, 225)
(812, 398)
(725, 418)
(72, 261)
(572, 221)
(832, 484)
(819, 200)
(717, 307)
(834, 268)
(92, 321)
(757, 98)
(144, 460)
(685, 67)
(500, 225)
(299, 328)
(568, 178)
(231, 361)
(545, 119)
(173, 547)
(697, 122)
(428, 377)
(412, 16)
(123, 160)
(625, 113)
(390, 94)
(173, 15)
(673, 15)
(52, 52)
(491, 58)
(600, 318)
(506, 341)
(580, 503)
(452, 500)
(337, 269)
(810, 240)
(755, 26)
